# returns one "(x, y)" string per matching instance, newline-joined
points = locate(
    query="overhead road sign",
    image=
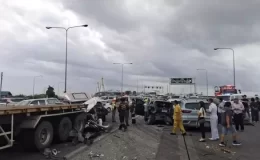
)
(180, 81)
(153, 87)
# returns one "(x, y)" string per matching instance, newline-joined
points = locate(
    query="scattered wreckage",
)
(93, 123)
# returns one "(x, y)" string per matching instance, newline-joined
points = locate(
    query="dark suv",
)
(159, 111)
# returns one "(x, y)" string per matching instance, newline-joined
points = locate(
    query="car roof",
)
(173, 99)
(160, 101)
(194, 100)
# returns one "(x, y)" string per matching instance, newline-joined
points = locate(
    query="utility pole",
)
(1, 83)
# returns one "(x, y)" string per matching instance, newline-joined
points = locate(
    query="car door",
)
(139, 110)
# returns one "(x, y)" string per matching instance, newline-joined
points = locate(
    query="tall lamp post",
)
(234, 70)
(122, 80)
(34, 78)
(66, 56)
(206, 80)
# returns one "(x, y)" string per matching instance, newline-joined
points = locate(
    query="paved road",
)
(144, 142)
(20, 154)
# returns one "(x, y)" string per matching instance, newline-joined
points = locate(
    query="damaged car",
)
(159, 111)
(93, 125)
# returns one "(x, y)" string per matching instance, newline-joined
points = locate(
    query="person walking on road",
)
(238, 109)
(227, 127)
(177, 118)
(122, 109)
(254, 111)
(114, 101)
(127, 112)
(213, 120)
(132, 110)
(201, 120)
(145, 109)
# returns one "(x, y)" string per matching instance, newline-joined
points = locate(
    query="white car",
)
(93, 101)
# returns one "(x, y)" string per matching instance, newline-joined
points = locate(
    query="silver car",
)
(190, 108)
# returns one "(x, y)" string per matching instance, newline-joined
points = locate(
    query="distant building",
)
(6, 94)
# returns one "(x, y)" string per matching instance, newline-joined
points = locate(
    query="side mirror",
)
(31, 104)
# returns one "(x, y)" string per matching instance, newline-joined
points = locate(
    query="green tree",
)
(50, 92)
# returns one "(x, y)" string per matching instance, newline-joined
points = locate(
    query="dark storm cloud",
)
(163, 39)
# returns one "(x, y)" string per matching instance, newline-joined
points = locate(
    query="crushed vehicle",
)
(93, 123)
(159, 111)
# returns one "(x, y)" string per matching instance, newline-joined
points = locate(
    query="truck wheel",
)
(64, 128)
(43, 135)
(79, 122)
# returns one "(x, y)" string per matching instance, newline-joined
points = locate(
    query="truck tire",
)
(43, 135)
(79, 122)
(64, 128)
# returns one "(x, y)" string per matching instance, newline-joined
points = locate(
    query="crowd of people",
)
(226, 117)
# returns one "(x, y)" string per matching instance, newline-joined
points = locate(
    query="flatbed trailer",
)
(36, 126)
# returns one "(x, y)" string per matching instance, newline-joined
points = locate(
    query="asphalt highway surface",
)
(152, 142)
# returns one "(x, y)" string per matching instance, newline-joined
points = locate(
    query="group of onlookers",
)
(224, 114)
(221, 116)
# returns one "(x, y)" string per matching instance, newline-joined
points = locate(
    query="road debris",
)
(94, 155)
(50, 153)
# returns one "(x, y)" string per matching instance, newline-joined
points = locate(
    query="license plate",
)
(164, 110)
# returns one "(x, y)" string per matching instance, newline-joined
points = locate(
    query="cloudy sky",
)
(162, 38)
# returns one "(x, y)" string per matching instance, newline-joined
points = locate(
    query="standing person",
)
(127, 111)
(254, 111)
(201, 120)
(132, 110)
(213, 120)
(122, 109)
(226, 122)
(145, 109)
(114, 109)
(177, 118)
(220, 109)
(238, 109)
(246, 111)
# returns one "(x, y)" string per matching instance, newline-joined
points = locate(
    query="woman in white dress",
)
(213, 120)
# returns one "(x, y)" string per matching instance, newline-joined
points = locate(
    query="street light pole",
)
(66, 55)
(34, 82)
(234, 69)
(122, 75)
(207, 81)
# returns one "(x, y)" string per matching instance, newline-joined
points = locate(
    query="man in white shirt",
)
(213, 120)
(238, 109)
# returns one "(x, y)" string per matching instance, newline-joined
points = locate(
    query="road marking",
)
(182, 148)
(191, 148)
